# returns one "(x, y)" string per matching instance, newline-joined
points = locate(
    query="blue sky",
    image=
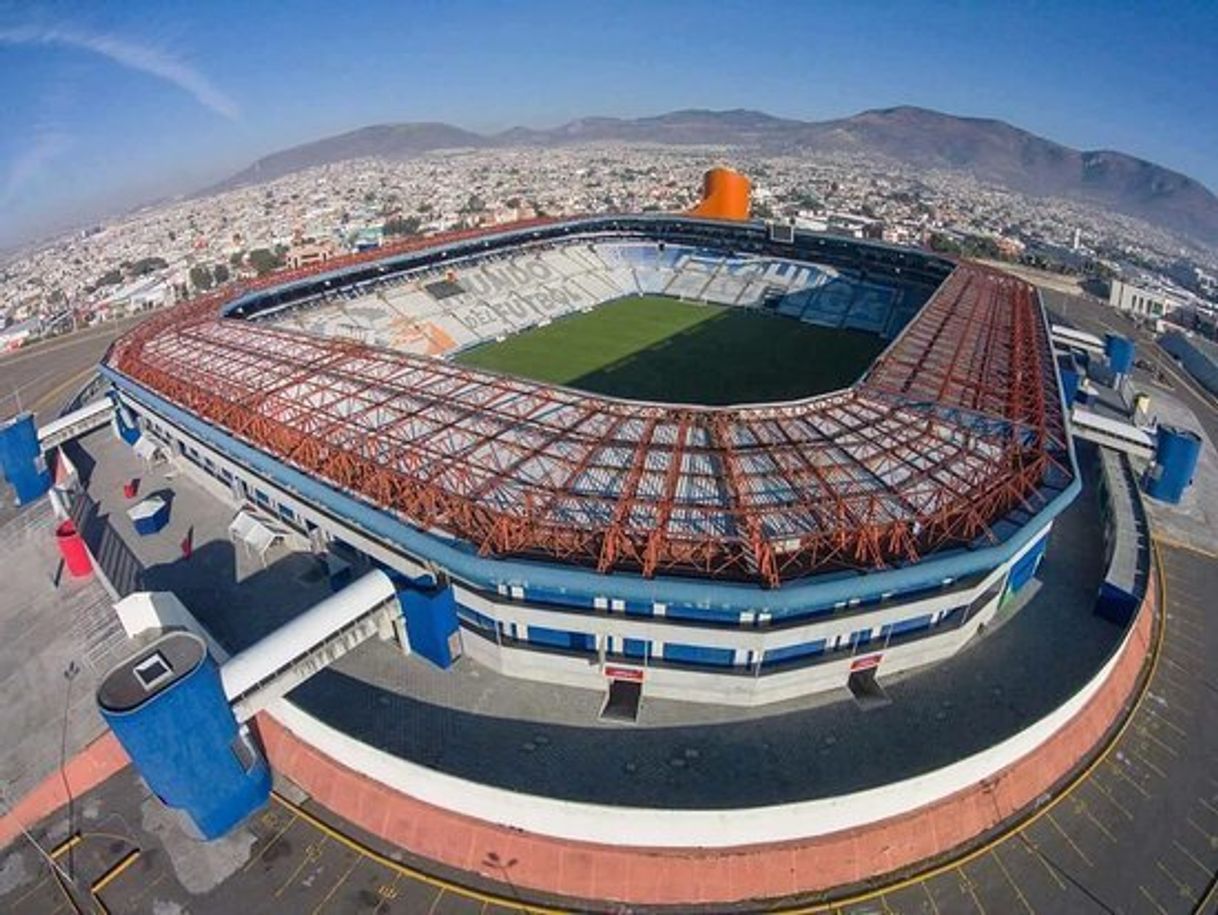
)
(105, 105)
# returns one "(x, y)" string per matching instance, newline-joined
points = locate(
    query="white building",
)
(1142, 300)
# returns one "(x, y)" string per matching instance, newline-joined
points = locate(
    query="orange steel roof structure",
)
(955, 427)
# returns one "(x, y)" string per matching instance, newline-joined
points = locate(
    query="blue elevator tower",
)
(167, 707)
(21, 458)
(1176, 454)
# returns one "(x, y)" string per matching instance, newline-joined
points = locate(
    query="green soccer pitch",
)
(658, 348)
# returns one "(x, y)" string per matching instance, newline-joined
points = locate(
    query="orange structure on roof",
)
(725, 195)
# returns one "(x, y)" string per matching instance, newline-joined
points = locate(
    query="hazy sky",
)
(104, 105)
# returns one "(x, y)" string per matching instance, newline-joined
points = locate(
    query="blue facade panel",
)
(1120, 352)
(431, 617)
(636, 648)
(1023, 570)
(184, 743)
(793, 652)
(1116, 604)
(699, 654)
(562, 638)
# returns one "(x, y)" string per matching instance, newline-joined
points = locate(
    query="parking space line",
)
(1145, 892)
(435, 902)
(934, 906)
(1011, 880)
(1186, 891)
(397, 867)
(1146, 762)
(1208, 806)
(356, 859)
(1209, 837)
(312, 852)
(1033, 849)
(1144, 731)
(1197, 861)
(1069, 840)
(31, 891)
(1103, 789)
(1085, 811)
(1121, 774)
(270, 845)
(968, 885)
(1162, 719)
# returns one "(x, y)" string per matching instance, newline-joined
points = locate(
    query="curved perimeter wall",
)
(655, 857)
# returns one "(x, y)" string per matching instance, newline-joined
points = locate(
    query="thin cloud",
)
(45, 145)
(133, 56)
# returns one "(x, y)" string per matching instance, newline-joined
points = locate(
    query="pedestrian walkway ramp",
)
(281, 661)
(75, 424)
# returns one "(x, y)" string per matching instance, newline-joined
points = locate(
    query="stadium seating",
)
(466, 302)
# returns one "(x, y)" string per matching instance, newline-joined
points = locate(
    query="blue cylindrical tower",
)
(167, 707)
(1120, 352)
(21, 458)
(1176, 454)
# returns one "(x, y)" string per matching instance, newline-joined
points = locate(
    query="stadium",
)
(682, 456)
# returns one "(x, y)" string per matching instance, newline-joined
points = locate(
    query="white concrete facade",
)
(851, 634)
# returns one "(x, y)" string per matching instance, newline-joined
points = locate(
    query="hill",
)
(991, 150)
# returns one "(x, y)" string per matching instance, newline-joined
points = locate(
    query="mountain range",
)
(991, 150)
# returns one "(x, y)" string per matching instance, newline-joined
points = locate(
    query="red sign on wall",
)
(624, 673)
(872, 660)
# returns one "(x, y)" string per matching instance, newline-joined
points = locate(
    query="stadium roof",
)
(957, 426)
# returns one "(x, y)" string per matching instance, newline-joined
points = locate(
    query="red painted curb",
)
(87, 769)
(642, 875)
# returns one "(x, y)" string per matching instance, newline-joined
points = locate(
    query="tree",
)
(200, 278)
(236, 258)
(220, 273)
(146, 265)
(399, 225)
(111, 278)
(264, 261)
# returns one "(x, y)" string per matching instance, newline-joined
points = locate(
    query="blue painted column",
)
(431, 619)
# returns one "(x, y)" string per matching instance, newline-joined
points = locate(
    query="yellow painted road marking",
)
(312, 852)
(66, 845)
(1103, 789)
(1145, 892)
(1122, 774)
(1146, 762)
(1185, 891)
(968, 885)
(30, 892)
(1188, 854)
(1011, 880)
(1209, 837)
(934, 906)
(399, 869)
(113, 873)
(356, 859)
(270, 844)
(1070, 841)
(1085, 811)
(1162, 719)
(1034, 850)
(48, 398)
(1188, 547)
